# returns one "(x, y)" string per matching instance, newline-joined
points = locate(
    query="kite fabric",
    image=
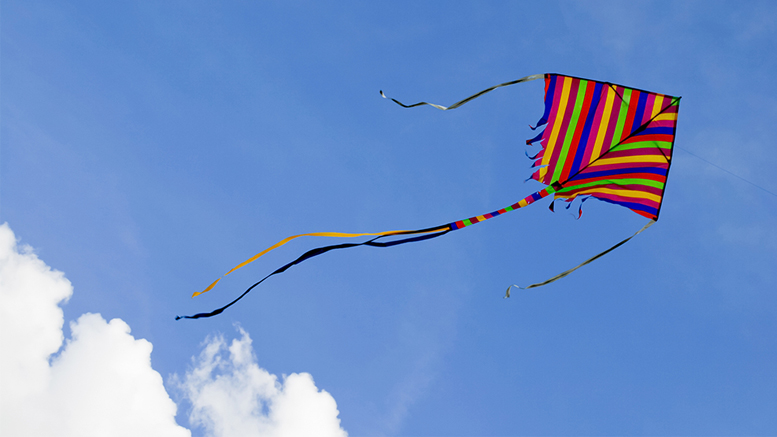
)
(601, 140)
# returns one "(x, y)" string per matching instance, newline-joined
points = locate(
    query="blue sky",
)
(148, 147)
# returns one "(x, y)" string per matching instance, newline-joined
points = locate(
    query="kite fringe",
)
(526, 152)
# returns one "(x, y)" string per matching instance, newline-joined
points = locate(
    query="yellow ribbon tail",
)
(314, 234)
(197, 293)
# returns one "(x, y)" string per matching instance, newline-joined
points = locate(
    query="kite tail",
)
(470, 98)
(319, 234)
(528, 200)
(588, 261)
(315, 252)
(419, 235)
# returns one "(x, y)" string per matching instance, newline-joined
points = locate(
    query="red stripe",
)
(581, 179)
(645, 214)
(595, 128)
(631, 114)
(621, 168)
(671, 109)
(649, 137)
(664, 165)
(663, 123)
(575, 145)
(562, 133)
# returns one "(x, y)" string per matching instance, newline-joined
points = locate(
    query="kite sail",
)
(601, 140)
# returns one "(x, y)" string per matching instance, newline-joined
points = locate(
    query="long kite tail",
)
(588, 261)
(411, 236)
(470, 98)
(315, 252)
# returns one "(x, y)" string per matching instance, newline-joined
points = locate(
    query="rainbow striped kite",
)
(601, 140)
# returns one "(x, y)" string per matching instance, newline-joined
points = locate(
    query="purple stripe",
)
(632, 205)
(581, 150)
(558, 160)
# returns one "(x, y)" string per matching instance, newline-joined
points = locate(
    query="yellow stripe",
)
(625, 193)
(658, 105)
(602, 131)
(480, 218)
(629, 160)
(314, 234)
(523, 203)
(666, 116)
(556, 127)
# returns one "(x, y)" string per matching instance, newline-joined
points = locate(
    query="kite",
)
(600, 140)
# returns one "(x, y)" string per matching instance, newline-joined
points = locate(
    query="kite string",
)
(727, 171)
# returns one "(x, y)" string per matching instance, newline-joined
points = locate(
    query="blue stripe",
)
(657, 131)
(621, 171)
(548, 102)
(630, 205)
(640, 111)
(549, 98)
(576, 164)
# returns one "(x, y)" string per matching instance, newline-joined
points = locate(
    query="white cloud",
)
(102, 382)
(231, 395)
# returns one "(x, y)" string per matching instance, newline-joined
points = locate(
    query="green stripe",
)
(646, 145)
(570, 133)
(509, 208)
(626, 181)
(622, 112)
(466, 222)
